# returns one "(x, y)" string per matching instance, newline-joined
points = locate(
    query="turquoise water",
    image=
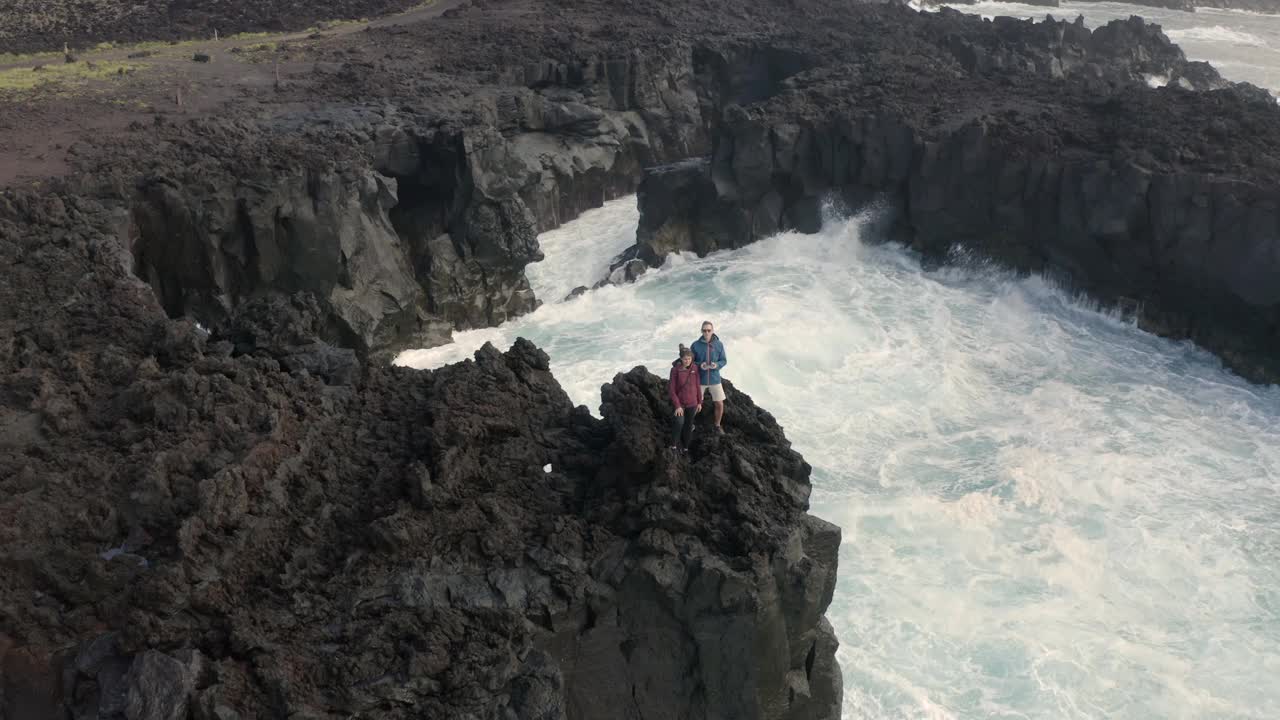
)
(1047, 513)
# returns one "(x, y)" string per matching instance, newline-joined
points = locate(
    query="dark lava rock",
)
(456, 543)
(270, 522)
(1120, 191)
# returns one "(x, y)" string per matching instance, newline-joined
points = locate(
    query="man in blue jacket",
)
(708, 353)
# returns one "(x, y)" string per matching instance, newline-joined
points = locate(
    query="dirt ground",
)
(50, 102)
(36, 25)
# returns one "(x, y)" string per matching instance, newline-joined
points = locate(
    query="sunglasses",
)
(707, 330)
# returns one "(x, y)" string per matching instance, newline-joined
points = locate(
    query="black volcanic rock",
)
(1117, 189)
(431, 531)
(400, 225)
(405, 224)
(245, 524)
(213, 491)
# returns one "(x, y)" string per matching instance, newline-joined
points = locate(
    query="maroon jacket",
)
(682, 386)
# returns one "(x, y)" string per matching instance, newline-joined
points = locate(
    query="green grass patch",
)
(60, 76)
(32, 58)
(49, 58)
(247, 36)
(257, 53)
(155, 45)
(322, 27)
(334, 25)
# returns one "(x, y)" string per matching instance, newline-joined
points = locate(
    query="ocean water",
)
(1047, 513)
(1243, 46)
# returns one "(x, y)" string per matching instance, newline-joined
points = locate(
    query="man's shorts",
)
(717, 391)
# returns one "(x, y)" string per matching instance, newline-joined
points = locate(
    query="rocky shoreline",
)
(1267, 7)
(1178, 226)
(255, 516)
(409, 226)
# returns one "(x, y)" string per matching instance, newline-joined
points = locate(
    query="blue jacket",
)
(714, 353)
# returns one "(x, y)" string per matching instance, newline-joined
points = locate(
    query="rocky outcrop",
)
(202, 528)
(1118, 53)
(1173, 226)
(1259, 6)
(685, 208)
(403, 227)
(206, 248)
(254, 520)
(746, 634)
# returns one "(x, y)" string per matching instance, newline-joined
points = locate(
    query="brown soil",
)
(35, 25)
(40, 127)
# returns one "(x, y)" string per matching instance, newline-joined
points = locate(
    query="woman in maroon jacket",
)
(686, 396)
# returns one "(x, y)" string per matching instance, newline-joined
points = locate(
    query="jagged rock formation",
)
(1190, 250)
(1172, 224)
(406, 224)
(1258, 6)
(209, 529)
(1115, 55)
(402, 226)
(254, 520)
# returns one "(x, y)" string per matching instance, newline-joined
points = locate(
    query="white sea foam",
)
(584, 248)
(1046, 512)
(1216, 34)
(1245, 47)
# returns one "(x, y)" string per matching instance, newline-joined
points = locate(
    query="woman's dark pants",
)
(682, 428)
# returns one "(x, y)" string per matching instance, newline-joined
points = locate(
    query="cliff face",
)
(253, 521)
(401, 226)
(1192, 253)
(1160, 218)
(252, 528)
(406, 225)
